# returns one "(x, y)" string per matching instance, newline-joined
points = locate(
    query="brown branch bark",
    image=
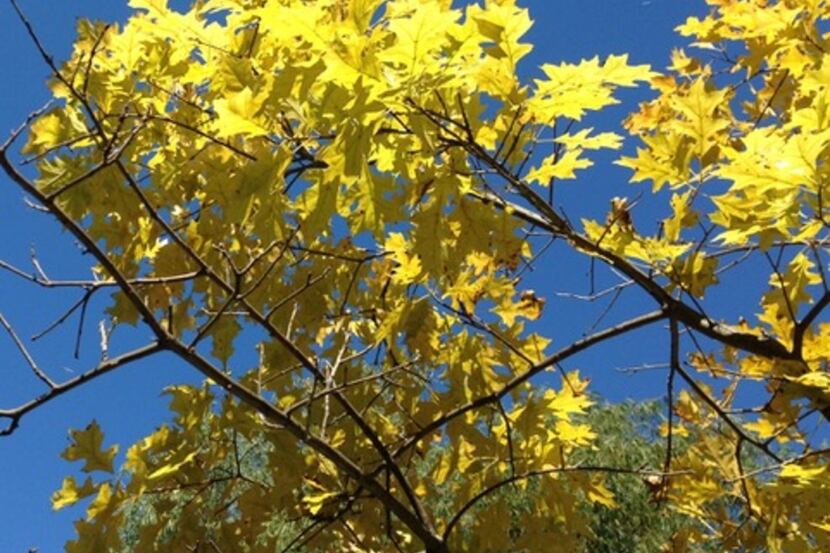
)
(759, 345)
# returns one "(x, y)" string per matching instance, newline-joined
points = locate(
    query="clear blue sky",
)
(127, 404)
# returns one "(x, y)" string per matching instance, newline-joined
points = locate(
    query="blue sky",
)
(127, 404)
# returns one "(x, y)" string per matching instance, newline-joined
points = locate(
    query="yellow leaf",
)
(570, 90)
(694, 273)
(664, 160)
(101, 502)
(504, 25)
(315, 502)
(764, 427)
(571, 399)
(442, 470)
(171, 468)
(803, 475)
(86, 447)
(466, 454)
(418, 35)
(529, 306)
(409, 269)
(70, 493)
(585, 141)
(701, 120)
(683, 216)
(55, 128)
(237, 114)
(361, 12)
(558, 167)
(598, 493)
(576, 434)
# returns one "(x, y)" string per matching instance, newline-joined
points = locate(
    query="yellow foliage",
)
(361, 189)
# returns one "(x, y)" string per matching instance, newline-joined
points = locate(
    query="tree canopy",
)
(329, 209)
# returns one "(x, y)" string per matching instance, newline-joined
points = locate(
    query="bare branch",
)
(764, 346)
(25, 353)
(674, 363)
(802, 326)
(14, 415)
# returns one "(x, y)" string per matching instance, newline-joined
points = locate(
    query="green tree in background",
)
(628, 435)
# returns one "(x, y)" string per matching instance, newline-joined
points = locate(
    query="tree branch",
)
(59, 389)
(764, 346)
(561, 355)
(25, 353)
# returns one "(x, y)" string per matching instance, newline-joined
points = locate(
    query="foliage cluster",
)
(360, 187)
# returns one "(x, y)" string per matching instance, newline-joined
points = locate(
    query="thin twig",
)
(25, 353)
